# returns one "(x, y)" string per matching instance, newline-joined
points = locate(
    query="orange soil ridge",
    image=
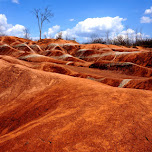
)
(61, 96)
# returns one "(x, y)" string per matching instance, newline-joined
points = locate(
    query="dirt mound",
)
(89, 54)
(100, 46)
(68, 57)
(7, 39)
(60, 96)
(50, 67)
(8, 50)
(13, 60)
(1, 43)
(124, 49)
(55, 46)
(36, 48)
(52, 112)
(11, 39)
(143, 58)
(124, 67)
(140, 84)
(46, 42)
(24, 47)
(60, 55)
(112, 82)
(105, 57)
(40, 58)
(107, 54)
(53, 53)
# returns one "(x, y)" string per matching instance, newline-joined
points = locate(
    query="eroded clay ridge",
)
(61, 96)
(46, 111)
(109, 64)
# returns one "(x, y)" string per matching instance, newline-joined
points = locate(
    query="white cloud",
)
(16, 30)
(35, 38)
(9, 29)
(132, 34)
(99, 26)
(128, 31)
(71, 20)
(146, 19)
(15, 1)
(148, 11)
(3, 23)
(94, 28)
(53, 31)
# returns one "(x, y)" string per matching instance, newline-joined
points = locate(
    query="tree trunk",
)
(40, 35)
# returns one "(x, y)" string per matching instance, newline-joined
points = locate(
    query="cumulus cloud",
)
(94, 28)
(3, 23)
(128, 31)
(9, 29)
(15, 1)
(146, 19)
(132, 34)
(148, 11)
(99, 26)
(16, 30)
(53, 31)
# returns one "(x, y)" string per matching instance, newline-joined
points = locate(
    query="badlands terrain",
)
(62, 96)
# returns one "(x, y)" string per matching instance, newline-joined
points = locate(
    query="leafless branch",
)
(42, 16)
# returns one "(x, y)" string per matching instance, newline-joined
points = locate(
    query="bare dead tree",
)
(141, 33)
(119, 40)
(136, 36)
(59, 35)
(45, 36)
(96, 39)
(127, 36)
(26, 33)
(107, 36)
(42, 16)
(93, 37)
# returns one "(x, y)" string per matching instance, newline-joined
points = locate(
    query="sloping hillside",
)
(70, 101)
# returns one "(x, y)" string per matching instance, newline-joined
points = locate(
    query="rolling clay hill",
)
(62, 96)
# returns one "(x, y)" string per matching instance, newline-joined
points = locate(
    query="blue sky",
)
(130, 13)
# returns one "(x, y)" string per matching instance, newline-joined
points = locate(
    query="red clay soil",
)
(40, 58)
(51, 67)
(53, 53)
(53, 100)
(113, 59)
(99, 46)
(58, 41)
(126, 68)
(140, 84)
(36, 49)
(143, 59)
(54, 46)
(11, 39)
(42, 111)
(8, 50)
